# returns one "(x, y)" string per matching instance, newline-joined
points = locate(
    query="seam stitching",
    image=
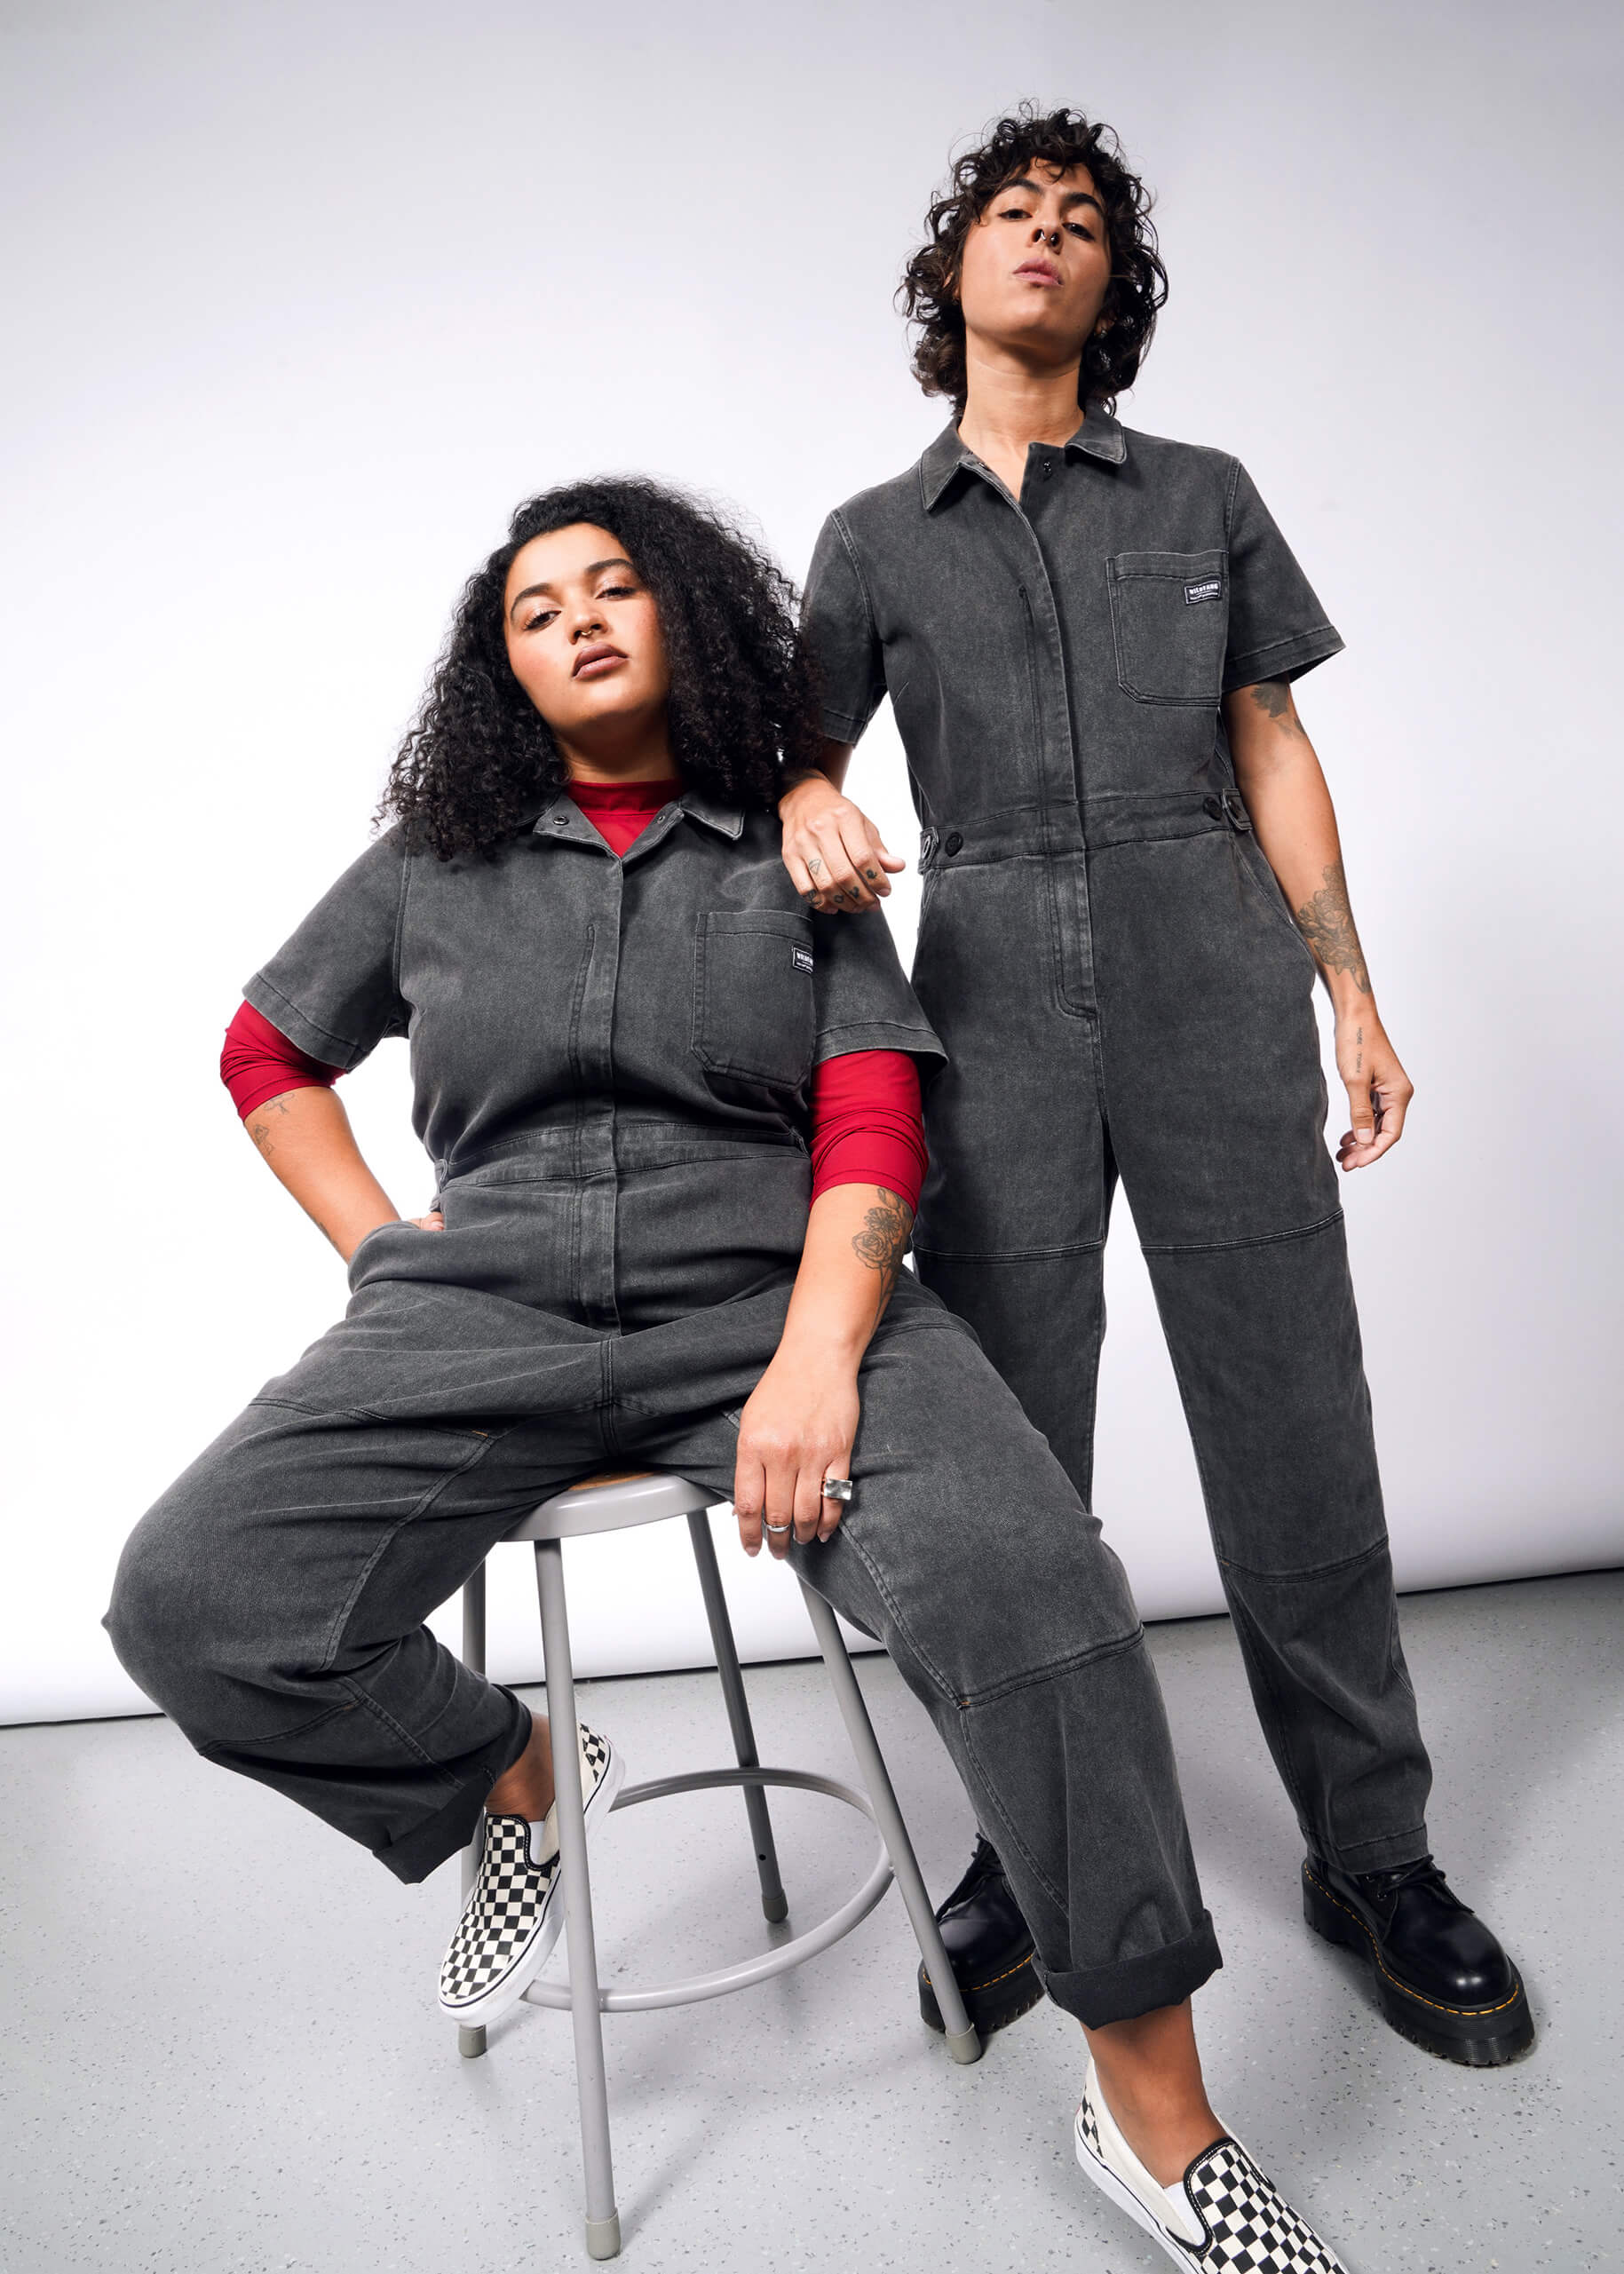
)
(1225, 1247)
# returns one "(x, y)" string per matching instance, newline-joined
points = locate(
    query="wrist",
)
(1350, 1002)
(794, 793)
(828, 1353)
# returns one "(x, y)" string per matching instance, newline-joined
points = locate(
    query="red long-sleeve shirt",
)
(866, 1125)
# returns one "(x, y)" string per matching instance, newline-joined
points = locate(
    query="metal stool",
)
(611, 1504)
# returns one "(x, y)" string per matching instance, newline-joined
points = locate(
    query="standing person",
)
(673, 1119)
(1089, 639)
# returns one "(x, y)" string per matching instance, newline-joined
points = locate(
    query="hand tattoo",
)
(1274, 698)
(814, 866)
(1326, 924)
(882, 1243)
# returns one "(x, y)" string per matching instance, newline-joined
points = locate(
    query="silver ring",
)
(776, 1527)
(837, 1488)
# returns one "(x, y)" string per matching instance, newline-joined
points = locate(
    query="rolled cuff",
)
(1099, 1994)
(449, 1831)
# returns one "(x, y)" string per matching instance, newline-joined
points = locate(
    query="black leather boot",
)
(1444, 1981)
(989, 1946)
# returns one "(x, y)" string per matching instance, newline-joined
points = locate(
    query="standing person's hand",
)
(836, 858)
(798, 1427)
(1379, 1090)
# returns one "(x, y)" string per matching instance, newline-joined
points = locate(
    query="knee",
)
(145, 1621)
(170, 1617)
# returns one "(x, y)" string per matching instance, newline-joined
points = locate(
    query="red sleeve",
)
(867, 1126)
(260, 1062)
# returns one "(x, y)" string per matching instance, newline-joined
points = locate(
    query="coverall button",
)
(953, 842)
(1212, 806)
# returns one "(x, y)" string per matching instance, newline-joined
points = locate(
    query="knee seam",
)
(1223, 1246)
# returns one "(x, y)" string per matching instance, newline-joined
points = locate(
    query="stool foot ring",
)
(965, 2045)
(603, 2237)
(470, 2043)
(723, 1979)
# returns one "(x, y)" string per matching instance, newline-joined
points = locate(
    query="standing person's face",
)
(583, 638)
(1036, 268)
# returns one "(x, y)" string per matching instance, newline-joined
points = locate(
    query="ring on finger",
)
(777, 1527)
(837, 1488)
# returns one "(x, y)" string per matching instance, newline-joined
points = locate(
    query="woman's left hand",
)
(798, 1427)
(1379, 1090)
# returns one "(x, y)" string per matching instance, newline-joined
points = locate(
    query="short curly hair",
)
(742, 715)
(1138, 287)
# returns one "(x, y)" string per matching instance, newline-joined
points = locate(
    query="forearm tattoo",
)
(260, 1127)
(880, 1241)
(1326, 924)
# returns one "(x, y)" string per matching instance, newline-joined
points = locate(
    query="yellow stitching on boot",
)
(1375, 1949)
(992, 1983)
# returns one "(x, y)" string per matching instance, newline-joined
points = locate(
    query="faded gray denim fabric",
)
(1106, 955)
(625, 1199)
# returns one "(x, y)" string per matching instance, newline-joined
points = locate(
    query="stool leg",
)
(774, 1903)
(962, 2042)
(471, 2042)
(603, 2220)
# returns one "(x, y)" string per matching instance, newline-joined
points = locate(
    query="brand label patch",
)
(1207, 588)
(801, 958)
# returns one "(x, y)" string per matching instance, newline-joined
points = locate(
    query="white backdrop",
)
(302, 297)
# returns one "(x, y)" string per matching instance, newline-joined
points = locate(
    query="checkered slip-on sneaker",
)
(1225, 2217)
(515, 1908)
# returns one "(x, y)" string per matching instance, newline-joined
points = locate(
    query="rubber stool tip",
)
(965, 2045)
(775, 1908)
(603, 2237)
(470, 2043)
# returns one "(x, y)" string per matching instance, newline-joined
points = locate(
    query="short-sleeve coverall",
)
(1106, 955)
(611, 1057)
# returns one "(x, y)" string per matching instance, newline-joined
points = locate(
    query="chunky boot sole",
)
(1478, 2036)
(992, 2004)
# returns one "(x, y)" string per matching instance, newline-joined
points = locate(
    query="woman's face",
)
(1036, 266)
(583, 638)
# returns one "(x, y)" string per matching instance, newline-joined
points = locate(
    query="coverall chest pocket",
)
(753, 1012)
(1169, 619)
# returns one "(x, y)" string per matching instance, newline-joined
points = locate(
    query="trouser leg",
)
(968, 1553)
(1041, 1321)
(1266, 1344)
(273, 1601)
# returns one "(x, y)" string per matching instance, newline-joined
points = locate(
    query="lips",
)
(1043, 270)
(593, 663)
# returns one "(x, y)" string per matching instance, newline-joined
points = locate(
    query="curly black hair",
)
(742, 715)
(1027, 136)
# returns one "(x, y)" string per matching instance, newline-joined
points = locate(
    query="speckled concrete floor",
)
(222, 2055)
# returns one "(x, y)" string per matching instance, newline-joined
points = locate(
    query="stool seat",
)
(612, 1504)
(606, 1502)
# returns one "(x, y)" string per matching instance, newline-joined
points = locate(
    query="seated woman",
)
(637, 1058)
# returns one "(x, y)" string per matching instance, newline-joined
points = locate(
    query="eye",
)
(1014, 213)
(618, 593)
(1082, 229)
(543, 616)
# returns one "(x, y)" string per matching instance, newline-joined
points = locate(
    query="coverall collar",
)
(561, 817)
(1099, 436)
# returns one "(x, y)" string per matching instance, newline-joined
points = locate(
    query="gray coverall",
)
(1106, 955)
(612, 1059)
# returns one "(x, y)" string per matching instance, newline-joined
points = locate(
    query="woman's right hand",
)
(836, 858)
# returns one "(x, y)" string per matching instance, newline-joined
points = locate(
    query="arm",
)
(1295, 824)
(801, 1421)
(306, 1138)
(834, 853)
